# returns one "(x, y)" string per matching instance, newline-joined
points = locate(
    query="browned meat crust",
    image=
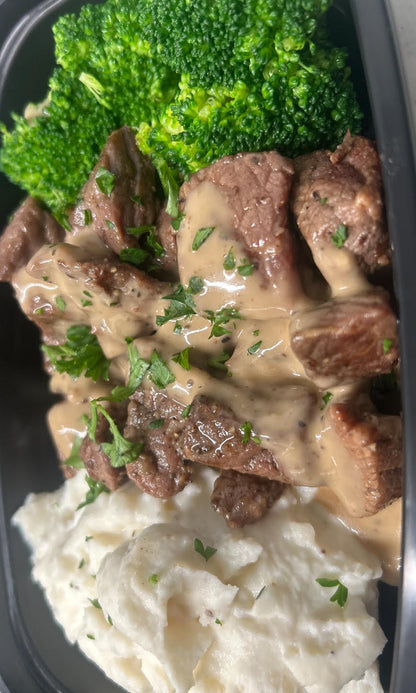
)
(159, 470)
(257, 187)
(346, 339)
(343, 187)
(30, 228)
(212, 435)
(375, 444)
(244, 498)
(132, 201)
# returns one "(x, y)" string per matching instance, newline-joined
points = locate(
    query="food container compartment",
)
(34, 655)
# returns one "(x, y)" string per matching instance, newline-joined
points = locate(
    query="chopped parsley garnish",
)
(149, 235)
(137, 199)
(220, 318)
(206, 552)
(110, 224)
(95, 488)
(254, 347)
(60, 303)
(120, 451)
(105, 181)
(95, 603)
(201, 236)
(218, 362)
(153, 579)
(138, 369)
(74, 460)
(81, 353)
(340, 595)
(323, 200)
(229, 261)
(87, 217)
(246, 268)
(87, 293)
(159, 373)
(175, 223)
(88, 538)
(156, 423)
(136, 256)
(181, 302)
(90, 636)
(246, 429)
(256, 333)
(186, 411)
(178, 328)
(261, 591)
(387, 344)
(182, 358)
(169, 185)
(45, 277)
(39, 311)
(81, 564)
(109, 619)
(340, 236)
(86, 302)
(326, 398)
(217, 620)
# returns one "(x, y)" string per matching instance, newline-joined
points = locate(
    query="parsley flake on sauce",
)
(120, 451)
(246, 268)
(182, 358)
(159, 373)
(201, 236)
(182, 304)
(105, 181)
(326, 398)
(255, 347)
(220, 318)
(340, 595)
(170, 186)
(74, 460)
(60, 303)
(81, 353)
(96, 604)
(186, 411)
(87, 217)
(136, 256)
(156, 423)
(175, 223)
(153, 579)
(229, 260)
(218, 362)
(340, 236)
(206, 552)
(138, 369)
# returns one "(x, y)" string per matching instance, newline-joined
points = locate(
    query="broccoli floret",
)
(106, 79)
(198, 79)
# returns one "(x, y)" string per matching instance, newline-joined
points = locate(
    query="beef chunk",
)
(375, 444)
(96, 462)
(132, 201)
(30, 228)
(343, 187)
(159, 470)
(244, 498)
(344, 340)
(212, 435)
(257, 187)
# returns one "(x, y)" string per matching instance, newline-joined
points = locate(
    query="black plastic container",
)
(34, 655)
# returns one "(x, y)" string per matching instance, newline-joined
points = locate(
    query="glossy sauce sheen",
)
(268, 388)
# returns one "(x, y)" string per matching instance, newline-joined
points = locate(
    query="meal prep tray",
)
(34, 655)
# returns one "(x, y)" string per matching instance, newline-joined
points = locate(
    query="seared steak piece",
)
(212, 435)
(30, 228)
(158, 470)
(346, 339)
(343, 188)
(130, 199)
(375, 444)
(256, 188)
(96, 461)
(244, 498)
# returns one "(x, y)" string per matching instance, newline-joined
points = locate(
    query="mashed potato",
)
(124, 580)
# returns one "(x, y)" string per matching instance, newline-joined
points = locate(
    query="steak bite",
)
(343, 188)
(30, 228)
(212, 435)
(374, 442)
(256, 187)
(128, 200)
(96, 461)
(159, 470)
(243, 498)
(346, 339)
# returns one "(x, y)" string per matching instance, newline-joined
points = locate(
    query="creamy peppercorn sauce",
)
(268, 388)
